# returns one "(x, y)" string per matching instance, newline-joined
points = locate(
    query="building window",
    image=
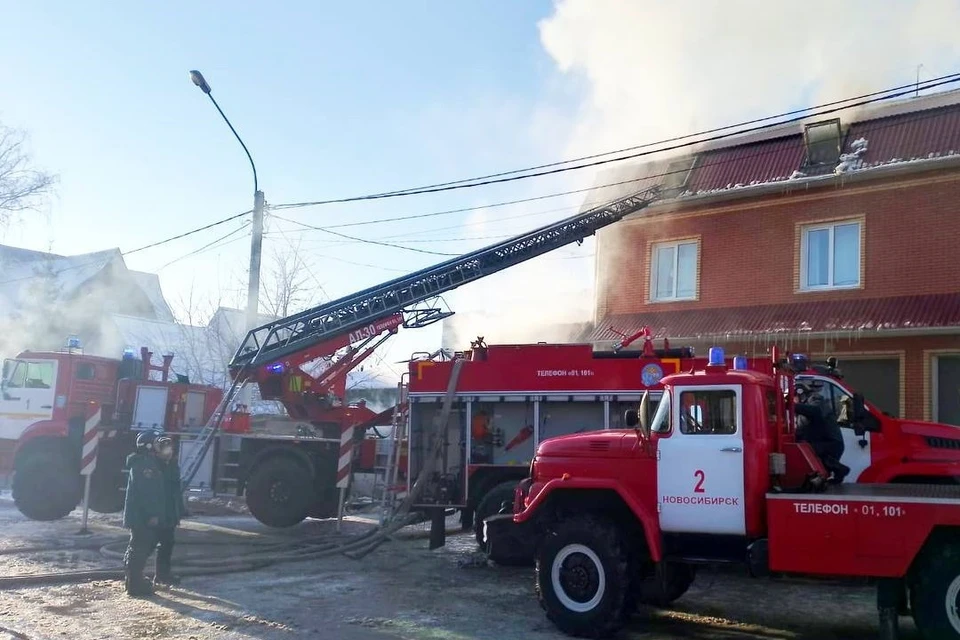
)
(830, 256)
(673, 273)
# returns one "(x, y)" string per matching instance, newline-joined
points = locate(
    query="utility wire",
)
(209, 245)
(138, 249)
(474, 182)
(364, 240)
(699, 167)
(912, 88)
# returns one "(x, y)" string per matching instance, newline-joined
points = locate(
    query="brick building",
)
(837, 236)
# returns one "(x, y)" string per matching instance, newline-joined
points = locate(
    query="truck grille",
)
(943, 443)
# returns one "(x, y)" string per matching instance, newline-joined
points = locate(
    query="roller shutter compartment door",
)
(877, 379)
(948, 389)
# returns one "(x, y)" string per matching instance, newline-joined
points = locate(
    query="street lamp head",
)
(198, 80)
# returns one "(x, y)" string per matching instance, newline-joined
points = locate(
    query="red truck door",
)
(700, 475)
(28, 394)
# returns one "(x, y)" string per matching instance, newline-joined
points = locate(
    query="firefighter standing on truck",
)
(151, 511)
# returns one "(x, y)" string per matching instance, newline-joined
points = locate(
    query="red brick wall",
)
(749, 249)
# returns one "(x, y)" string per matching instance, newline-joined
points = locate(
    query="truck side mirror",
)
(645, 414)
(631, 418)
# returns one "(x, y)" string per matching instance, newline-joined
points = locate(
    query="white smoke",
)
(653, 70)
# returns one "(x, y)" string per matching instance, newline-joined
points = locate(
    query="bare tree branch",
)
(22, 187)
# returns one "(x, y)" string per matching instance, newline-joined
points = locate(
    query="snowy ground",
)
(402, 590)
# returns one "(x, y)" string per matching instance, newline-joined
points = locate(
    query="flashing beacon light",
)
(799, 361)
(740, 363)
(716, 356)
(73, 342)
(128, 353)
(276, 368)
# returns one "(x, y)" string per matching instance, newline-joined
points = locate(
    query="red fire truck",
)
(716, 474)
(511, 397)
(47, 400)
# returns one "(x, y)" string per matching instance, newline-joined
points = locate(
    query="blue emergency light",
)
(73, 342)
(276, 367)
(128, 353)
(740, 363)
(799, 361)
(716, 356)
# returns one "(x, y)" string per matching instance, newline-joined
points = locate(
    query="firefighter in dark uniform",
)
(152, 510)
(817, 426)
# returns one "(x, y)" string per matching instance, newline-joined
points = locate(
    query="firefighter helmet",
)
(147, 440)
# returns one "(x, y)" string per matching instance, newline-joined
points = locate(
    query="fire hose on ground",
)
(268, 553)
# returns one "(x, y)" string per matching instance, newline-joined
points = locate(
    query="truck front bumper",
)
(510, 543)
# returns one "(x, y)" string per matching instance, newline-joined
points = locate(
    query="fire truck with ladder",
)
(717, 474)
(287, 481)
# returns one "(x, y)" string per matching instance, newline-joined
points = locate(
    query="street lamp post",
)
(256, 241)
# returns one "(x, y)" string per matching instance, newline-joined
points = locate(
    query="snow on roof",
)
(905, 132)
(150, 283)
(21, 267)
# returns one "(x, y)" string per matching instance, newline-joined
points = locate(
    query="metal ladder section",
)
(386, 488)
(275, 340)
(206, 436)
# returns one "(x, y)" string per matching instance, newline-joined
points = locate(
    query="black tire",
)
(46, 486)
(677, 579)
(279, 492)
(106, 489)
(489, 505)
(937, 578)
(591, 600)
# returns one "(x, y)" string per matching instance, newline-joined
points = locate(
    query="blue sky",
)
(331, 98)
(338, 99)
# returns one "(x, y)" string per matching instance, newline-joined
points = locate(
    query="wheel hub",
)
(578, 578)
(278, 492)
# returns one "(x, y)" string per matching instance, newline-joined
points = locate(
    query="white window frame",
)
(804, 251)
(675, 245)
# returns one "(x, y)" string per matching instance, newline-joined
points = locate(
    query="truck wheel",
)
(676, 580)
(582, 577)
(46, 486)
(490, 505)
(935, 593)
(106, 490)
(279, 492)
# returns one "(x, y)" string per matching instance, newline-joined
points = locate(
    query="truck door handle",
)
(732, 449)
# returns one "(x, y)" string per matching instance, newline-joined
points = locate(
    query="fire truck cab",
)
(48, 399)
(716, 473)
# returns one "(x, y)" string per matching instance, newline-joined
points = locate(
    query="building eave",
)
(791, 186)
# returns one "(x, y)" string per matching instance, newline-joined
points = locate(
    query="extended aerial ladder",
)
(344, 332)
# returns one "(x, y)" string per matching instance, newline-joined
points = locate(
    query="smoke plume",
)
(653, 70)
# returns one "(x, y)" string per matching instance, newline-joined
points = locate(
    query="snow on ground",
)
(401, 591)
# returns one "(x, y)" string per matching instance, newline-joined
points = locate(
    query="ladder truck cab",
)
(50, 398)
(717, 474)
(508, 399)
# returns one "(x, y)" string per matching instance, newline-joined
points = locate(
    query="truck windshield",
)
(660, 423)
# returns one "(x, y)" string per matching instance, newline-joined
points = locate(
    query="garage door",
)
(948, 389)
(878, 380)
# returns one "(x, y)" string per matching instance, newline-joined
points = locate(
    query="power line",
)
(645, 177)
(209, 245)
(912, 86)
(477, 182)
(137, 250)
(364, 240)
